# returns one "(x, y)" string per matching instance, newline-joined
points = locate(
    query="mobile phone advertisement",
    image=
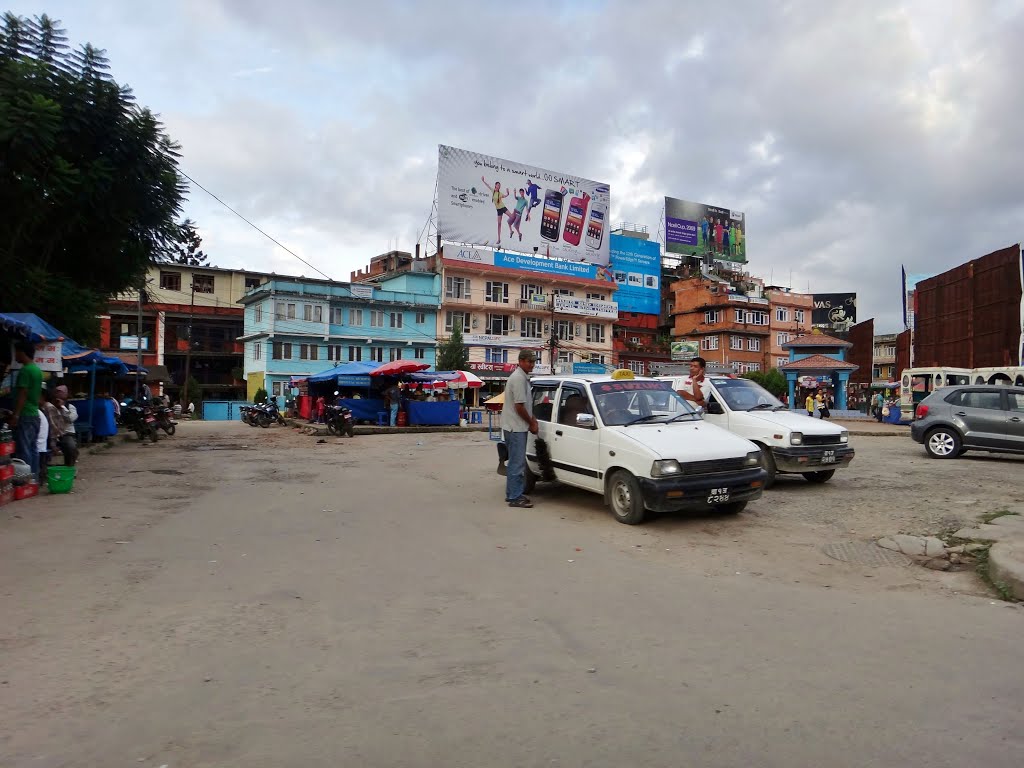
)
(501, 204)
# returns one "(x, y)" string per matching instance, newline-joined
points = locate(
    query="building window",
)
(564, 329)
(334, 352)
(495, 355)
(202, 283)
(735, 342)
(290, 311)
(421, 318)
(394, 353)
(876, 372)
(636, 366)
(595, 333)
(497, 293)
(499, 325)
(526, 291)
(782, 314)
(740, 315)
(277, 388)
(565, 357)
(781, 361)
(257, 313)
(337, 316)
(257, 350)
(596, 358)
(282, 350)
(453, 319)
(757, 318)
(376, 318)
(596, 297)
(799, 315)
(419, 353)
(307, 351)
(712, 316)
(709, 342)
(355, 317)
(252, 282)
(753, 345)
(456, 287)
(307, 312)
(355, 354)
(532, 327)
(781, 338)
(279, 309)
(563, 292)
(396, 319)
(377, 354)
(170, 281)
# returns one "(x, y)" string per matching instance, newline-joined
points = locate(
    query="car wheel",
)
(768, 462)
(819, 477)
(625, 499)
(529, 481)
(731, 509)
(943, 443)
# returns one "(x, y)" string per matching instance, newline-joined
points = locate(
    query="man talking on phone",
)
(697, 389)
(516, 422)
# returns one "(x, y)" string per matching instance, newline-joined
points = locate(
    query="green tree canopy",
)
(89, 182)
(451, 355)
(773, 380)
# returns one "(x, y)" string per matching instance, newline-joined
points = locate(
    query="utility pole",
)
(188, 351)
(138, 342)
(554, 333)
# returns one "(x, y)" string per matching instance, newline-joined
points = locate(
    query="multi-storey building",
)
(178, 298)
(729, 319)
(296, 327)
(638, 343)
(636, 267)
(789, 318)
(883, 359)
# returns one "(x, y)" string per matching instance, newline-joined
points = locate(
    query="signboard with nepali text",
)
(48, 357)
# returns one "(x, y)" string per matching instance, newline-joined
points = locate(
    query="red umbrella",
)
(398, 367)
(465, 379)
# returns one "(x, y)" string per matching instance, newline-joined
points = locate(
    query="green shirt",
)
(30, 378)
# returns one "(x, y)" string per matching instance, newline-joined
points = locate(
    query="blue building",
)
(296, 327)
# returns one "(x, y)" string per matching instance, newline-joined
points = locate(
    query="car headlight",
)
(797, 438)
(844, 437)
(753, 459)
(665, 467)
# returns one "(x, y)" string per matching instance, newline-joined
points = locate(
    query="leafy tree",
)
(773, 380)
(451, 355)
(89, 182)
(185, 249)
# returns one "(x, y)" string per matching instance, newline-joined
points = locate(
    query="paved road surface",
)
(372, 603)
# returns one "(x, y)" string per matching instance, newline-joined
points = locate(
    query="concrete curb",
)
(319, 430)
(1006, 566)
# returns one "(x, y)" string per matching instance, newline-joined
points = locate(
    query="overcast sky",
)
(856, 136)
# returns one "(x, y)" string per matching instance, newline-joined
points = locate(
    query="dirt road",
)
(239, 597)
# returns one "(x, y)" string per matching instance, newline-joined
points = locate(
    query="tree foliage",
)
(451, 355)
(186, 247)
(89, 182)
(773, 380)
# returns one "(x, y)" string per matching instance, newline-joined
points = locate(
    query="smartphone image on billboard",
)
(575, 218)
(552, 217)
(595, 227)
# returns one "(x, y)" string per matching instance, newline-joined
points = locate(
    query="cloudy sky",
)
(857, 136)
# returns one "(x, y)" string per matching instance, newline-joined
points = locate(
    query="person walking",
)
(392, 399)
(809, 404)
(821, 406)
(517, 422)
(25, 418)
(879, 405)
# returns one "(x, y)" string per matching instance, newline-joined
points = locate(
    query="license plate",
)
(828, 457)
(718, 495)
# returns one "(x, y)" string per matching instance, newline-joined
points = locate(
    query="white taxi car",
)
(639, 444)
(790, 441)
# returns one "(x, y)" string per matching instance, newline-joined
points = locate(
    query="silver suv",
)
(953, 420)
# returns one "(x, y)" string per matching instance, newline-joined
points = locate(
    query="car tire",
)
(943, 443)
(819, 477)
(768, 462)
(625, 499)
(529, 481)
(731, 509)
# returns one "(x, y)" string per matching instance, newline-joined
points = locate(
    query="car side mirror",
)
(714, 407)
(586, 421)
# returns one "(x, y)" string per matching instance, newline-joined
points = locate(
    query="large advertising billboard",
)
(636, 269)
(698, 229)
(836, 312)
(528, 263)
(484, 200)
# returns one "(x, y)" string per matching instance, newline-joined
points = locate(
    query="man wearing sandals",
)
(517, 422)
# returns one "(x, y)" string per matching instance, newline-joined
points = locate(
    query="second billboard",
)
(696, 229)
(835, 312)
(489, 201)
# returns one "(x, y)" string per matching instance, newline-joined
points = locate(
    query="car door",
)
(984, 419)
(1015, 420)
(575, 449)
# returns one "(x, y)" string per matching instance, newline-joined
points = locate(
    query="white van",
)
(790, 441)
(639, 444)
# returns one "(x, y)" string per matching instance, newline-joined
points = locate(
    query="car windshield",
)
(627, 402)
(746, 395)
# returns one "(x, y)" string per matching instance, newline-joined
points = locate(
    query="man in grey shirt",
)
(516, 422)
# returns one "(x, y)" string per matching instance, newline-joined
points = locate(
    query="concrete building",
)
(637, 342)
(296, 327)
(883, 359)
(790, 317)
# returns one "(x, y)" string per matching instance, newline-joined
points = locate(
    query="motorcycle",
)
(165, 418)
(140, 419)
(339, 420)
(247, 413)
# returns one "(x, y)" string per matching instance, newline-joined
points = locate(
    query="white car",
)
(639, 444)
(790, 442)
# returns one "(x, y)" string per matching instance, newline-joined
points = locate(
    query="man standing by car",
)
(696, 389)
(516, 421)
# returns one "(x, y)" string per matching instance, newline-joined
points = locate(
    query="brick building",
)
(790, 317)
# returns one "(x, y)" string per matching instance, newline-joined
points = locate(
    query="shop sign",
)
(496, 340)
(493, 367)
(591, 368)
(361, 291)
(681, 351)
(48, 357)
(134, 342)
(572, 305)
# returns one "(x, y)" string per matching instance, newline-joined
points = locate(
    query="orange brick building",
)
(790, 318)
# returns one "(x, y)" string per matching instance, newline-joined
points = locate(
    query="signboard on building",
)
(134, 342)
(636, 270)
(493, 367)
(683, 350)
(591, 368)
(361, 291)
(527, 263)
(480, 198)
(574, 305)
(696, 229)
(48, 357)
(497, 340)
(835, 312)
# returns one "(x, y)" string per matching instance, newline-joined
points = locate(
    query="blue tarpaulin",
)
(346, 369)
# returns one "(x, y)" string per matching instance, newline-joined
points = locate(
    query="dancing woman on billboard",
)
(499, 204)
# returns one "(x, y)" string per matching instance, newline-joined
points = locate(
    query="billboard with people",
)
(484, 200)
(636, 269)
(699, 229)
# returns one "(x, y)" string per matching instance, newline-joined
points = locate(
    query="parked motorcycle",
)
(339, 420)
(140, 419)
(247, 413)
(165, 418)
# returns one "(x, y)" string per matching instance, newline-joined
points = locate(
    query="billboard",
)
(485, 200)
(529, 263)
(636, 269)
(684, 350)
(835, 312)
(696, 229)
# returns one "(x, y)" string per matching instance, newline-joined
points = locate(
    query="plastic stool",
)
(476, 417)
(383, 418)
